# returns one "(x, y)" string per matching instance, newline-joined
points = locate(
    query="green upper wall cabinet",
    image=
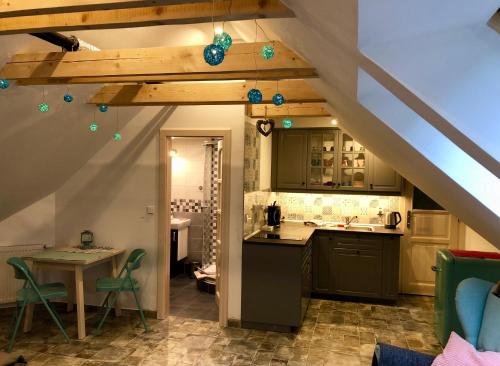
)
(327, 160)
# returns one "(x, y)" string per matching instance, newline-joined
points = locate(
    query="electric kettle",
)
(273, 215)
(392, 219)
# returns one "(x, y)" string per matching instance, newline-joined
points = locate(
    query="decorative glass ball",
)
(103, 108)
(267, 52)
(224, 40)
(287, 123)
(278, 99)
(254, 96)
(68, 98)
(43, 107)
(4, 83)
(213, 54)
(93, 127)
(117, 136)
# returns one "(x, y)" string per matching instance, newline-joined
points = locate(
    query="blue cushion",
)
(470, 301)
(489, 335)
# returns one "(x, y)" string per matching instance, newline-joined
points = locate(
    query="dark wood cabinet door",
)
(382, 176)
(291, 159)
(356, 272)
(390, 280)
(321, 262)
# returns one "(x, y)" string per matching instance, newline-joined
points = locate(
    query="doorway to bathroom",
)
(193, 227)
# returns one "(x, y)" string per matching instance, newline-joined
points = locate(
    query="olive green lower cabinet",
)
(356, 265)
(276, 285)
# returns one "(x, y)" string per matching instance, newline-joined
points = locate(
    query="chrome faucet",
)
(350, 220)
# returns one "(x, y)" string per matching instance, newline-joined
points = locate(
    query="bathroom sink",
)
(177, 223)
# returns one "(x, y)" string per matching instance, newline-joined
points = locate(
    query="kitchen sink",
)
(360, 228)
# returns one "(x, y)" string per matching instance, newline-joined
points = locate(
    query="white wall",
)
(473, 241)
(110, 193)
(188, 168)
(32, 225)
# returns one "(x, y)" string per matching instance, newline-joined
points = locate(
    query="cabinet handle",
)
(371, 185)
(436, 269)
(303, 183)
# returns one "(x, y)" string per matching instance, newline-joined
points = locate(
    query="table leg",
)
(114, 273)
(80, 302)
(28, 318)
(71, 294)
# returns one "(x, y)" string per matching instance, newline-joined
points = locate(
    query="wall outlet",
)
(150, 210)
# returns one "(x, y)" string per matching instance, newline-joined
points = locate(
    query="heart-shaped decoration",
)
(265, 126)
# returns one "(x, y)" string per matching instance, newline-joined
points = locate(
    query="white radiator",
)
(9, 285)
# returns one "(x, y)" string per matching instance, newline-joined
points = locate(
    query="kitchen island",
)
(282, 268)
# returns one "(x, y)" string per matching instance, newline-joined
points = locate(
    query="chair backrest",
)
(470, 300)
(134, 260)
(21, 271)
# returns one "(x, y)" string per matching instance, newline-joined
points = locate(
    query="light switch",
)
(150, 210)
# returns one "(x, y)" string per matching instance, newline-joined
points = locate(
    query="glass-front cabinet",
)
(322, 164)
(353, 164)
(327, 160)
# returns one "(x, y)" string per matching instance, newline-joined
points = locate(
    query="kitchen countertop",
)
(296, 233)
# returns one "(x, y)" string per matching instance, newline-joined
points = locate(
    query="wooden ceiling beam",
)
(196, 11)
(154, 65)
(287, 110)
(18, 8)
(295, 91)
(260, 75)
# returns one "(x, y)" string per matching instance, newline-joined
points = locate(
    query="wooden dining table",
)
(77, 261)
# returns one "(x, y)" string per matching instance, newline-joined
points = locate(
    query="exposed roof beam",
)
(260, 75)
(295, 91)
(287, 109)
(17, 8)
(154, 64)
(196, 12)
(428, 113)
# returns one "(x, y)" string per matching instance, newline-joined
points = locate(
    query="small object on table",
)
(86, 239)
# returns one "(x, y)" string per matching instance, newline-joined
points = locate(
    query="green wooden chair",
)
(32, 293)
(123, 283)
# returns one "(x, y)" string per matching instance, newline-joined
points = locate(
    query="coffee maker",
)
(273, 215)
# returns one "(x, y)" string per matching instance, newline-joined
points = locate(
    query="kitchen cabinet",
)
(322, 163)
(327, 160)
(382, 177)
(322, 241)
(291, 148)
(354, 264)
(276, 285)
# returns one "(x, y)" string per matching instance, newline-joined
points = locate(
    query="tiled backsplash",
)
(308, 206)
(334, 207)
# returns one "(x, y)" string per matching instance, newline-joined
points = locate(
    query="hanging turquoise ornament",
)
(93, 127)
(43, 107)
(68, 98)
(117, 136)
(224, 40)
(213, 54)
(278, 99)
(267, 52)
(103, 108)
(254, 96)
(4, 83)
(287, 123)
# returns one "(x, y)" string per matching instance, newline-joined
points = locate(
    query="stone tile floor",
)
(334, 333)
(188, 302)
